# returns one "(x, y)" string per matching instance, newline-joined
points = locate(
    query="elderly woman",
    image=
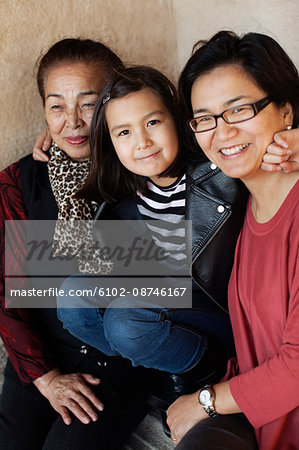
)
(240, 91)
(52, 379)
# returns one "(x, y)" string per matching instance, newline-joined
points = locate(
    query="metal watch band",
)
(210, 411)
(208, 407)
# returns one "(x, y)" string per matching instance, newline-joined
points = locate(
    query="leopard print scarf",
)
(73, 231)
(67, 176)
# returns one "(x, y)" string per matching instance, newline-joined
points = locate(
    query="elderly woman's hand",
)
(42, 144)
(283, 153)
(70, 392)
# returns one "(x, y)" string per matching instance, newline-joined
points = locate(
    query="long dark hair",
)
(109, 180)
(72, 50)
(259, 55)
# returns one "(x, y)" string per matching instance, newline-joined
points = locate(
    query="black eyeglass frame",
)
(257, 107)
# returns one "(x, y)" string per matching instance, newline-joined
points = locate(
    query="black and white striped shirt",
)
(167, 206)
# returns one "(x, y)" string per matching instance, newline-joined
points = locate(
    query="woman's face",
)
(143, 133)
(237, 149)
(71, 92)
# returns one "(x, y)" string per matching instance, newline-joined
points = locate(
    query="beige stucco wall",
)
(200, 19)
(136, 29)
(156, 32)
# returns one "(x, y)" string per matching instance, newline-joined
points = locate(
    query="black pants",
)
(28, 422)
(231, 432)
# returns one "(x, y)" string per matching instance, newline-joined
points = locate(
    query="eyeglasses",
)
(236, 114)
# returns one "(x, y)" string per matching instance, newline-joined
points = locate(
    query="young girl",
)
(240, 92)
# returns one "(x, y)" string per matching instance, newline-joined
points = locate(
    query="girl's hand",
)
(283, 153)
(42, 144)
(183, 414)
(70, 393)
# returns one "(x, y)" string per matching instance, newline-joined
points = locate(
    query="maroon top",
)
(264, 309)
(25, 347)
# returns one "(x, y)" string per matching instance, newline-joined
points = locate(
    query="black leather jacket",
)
(216, 205)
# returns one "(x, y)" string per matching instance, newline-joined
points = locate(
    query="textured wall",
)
(140, 31)
(200, 19)
(156, 32)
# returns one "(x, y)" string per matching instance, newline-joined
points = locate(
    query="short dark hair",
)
(259, 55)
(109, 180)
(72, 50)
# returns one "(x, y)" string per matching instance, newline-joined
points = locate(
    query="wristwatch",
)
(206, 398)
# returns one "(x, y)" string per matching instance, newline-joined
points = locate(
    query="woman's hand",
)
(183, 414)
(283, 153)
(70, 392)
(186, 411)
(42, 144)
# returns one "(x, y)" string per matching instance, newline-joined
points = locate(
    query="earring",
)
(289, 127)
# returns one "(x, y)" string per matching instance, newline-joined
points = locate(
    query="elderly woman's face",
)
(71, 92)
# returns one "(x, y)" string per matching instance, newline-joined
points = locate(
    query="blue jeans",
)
(167, 339)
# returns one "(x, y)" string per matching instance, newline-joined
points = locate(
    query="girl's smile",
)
(149, 157)
(143, 133)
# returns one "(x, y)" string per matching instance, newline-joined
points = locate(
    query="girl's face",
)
(71, 92)
(237, 149)
(143, 133)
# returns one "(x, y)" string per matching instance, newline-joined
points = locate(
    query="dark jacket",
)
(34, 338)
(216, 206)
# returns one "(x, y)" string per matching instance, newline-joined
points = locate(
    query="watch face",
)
(205, 396)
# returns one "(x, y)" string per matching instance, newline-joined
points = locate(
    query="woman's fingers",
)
(288, 139)
(47, 141)
(65, 415)
(71, 393)
(290, 166)
(39, 155)
(89, 394)
(81, 409)
(274, 150)
(274, 156)
(283, 152)
(182, 415)
(270, 167)
(90, 378)
(42, 144)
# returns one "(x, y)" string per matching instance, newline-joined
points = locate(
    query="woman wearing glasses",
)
(241, 91)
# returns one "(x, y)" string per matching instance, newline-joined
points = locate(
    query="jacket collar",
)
(126, 209)
(206, 206)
